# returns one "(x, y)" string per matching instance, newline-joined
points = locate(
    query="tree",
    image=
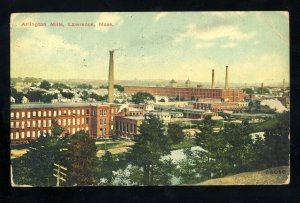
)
(85, 86)
(47, 98)
(82, 159)
(60, 86)
(68, 95)
(34, 96)
(175, 133)
(162, 100)
(57, 130)
(119, 88)
(248, 90)
(150, 146)
(16, 95)
(107, 165)
(36, 167)
(141, 97)
(187, 167)
(45, 85)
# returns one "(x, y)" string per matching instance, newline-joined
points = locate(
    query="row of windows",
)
(48, 123)
(103, 121)
(34, 134)
(48, 113)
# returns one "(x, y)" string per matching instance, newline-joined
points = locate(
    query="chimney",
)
(212, 78)
(262, 88)
(283, 85)
(226, 78)
(111, 77)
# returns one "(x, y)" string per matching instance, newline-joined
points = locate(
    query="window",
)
(49, 113)
(74, 111)
(101, 112)
(65, 112)
(28, 124)
(104, 121)
(39, 123)
(73, 121)
(39, 113)
(44, 114)
(82, 121)
(112, 127)
(44, 123)
(82, 112)
(87, 120)
(23, 114)
(33, 134)
(11, 124)
(11, 115)
(33, 124)
(69, 121)
(86, 128)
(23, 125)
(54, 113)
(49, 123)
(28, 114)
(87, 112)
(59, 112)
(73, 130)
(11, 136)
(69, 112)
(104, 112)
(78, 121)
(34, 114)
(49, 131)
(17, 115)
(22, 135)
(112, 110)
(28, 134)
(64, 122)
(94, 113)
(17, 135)
(78, 112)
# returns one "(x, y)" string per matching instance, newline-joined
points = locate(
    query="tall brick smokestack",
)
(212, 78)
(262, 88)
(111, 77)
(226, 78)
(283, 85)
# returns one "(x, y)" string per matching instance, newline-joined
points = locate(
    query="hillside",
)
(272, 176)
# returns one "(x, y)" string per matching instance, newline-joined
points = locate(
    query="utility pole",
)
(60, 176)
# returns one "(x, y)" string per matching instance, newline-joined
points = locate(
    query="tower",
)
(226, 78)
(262, 88)
(283, 85)
(111, 77)
(212, 78)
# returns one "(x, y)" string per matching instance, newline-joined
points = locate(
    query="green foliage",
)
(98, 97)
(119, 88)
(45, 85)
(85, 86)
(187, 167)
(150, 146)
(16, 95)
(175, 133)
(179, 98)
(68, 95)
(32, 80)
(36, 168)
(60, 86)
(56, 128)
(81, 159)
(85, 95)
(162, 100)
(108, 164)
(35, 96)
(248, 90)
(46, 98)
(141, 97)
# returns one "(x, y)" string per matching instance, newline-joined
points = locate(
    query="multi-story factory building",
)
(29, 120)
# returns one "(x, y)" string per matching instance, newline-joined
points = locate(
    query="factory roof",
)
(51, 105)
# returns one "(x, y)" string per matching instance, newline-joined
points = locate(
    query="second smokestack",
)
(212, 78)
(226, 78)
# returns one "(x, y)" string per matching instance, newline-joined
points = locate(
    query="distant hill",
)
(272, 176)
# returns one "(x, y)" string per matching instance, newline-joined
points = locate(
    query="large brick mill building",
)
(29, 120)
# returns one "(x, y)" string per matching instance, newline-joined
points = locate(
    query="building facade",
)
(29, 121)
(128, 126)
(233, 95)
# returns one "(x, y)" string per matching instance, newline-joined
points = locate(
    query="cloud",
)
(204, 44)
(209, 34)
(229, 45)
(159, 16)
(113, 18)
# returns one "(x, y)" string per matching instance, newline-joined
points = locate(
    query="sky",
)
(153, 45)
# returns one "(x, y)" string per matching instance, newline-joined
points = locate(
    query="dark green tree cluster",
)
(16, 95)
(175, 133)
(45, 85)
(84, 86)
(141, 97)
(60, 86)
(120, 88)
(248, 90)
